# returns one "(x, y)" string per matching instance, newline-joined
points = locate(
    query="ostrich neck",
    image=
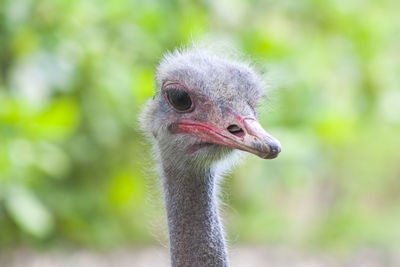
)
(195, 230)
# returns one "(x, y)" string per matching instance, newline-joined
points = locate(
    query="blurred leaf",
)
(28, 212)
(56, 122)
(335, 129)
(125, 189)
(143, 84)
(25, 41)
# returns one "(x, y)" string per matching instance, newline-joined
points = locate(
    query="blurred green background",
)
(76, 171)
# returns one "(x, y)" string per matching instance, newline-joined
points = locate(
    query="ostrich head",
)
(204, 108)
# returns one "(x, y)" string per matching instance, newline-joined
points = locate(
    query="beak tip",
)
(274, 151)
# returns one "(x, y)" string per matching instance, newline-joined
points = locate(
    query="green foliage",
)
(74, 167)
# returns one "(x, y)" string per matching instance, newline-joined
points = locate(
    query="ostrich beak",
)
(244, 133)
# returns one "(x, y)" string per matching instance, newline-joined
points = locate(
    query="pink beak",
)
(245, 134)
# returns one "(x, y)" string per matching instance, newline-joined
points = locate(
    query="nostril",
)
(235, 130)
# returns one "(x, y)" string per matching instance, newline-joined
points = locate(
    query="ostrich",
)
(203, 112)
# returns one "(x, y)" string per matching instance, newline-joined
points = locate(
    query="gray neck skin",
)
(195, 231)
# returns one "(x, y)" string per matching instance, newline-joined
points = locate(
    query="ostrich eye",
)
(179, 99)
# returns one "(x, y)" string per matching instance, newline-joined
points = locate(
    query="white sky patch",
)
(231, 12)
(389, 105)
(34, 78)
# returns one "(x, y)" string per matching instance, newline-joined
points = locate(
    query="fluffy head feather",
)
(216, 84)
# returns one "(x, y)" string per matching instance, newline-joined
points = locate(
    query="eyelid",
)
(172, 84)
